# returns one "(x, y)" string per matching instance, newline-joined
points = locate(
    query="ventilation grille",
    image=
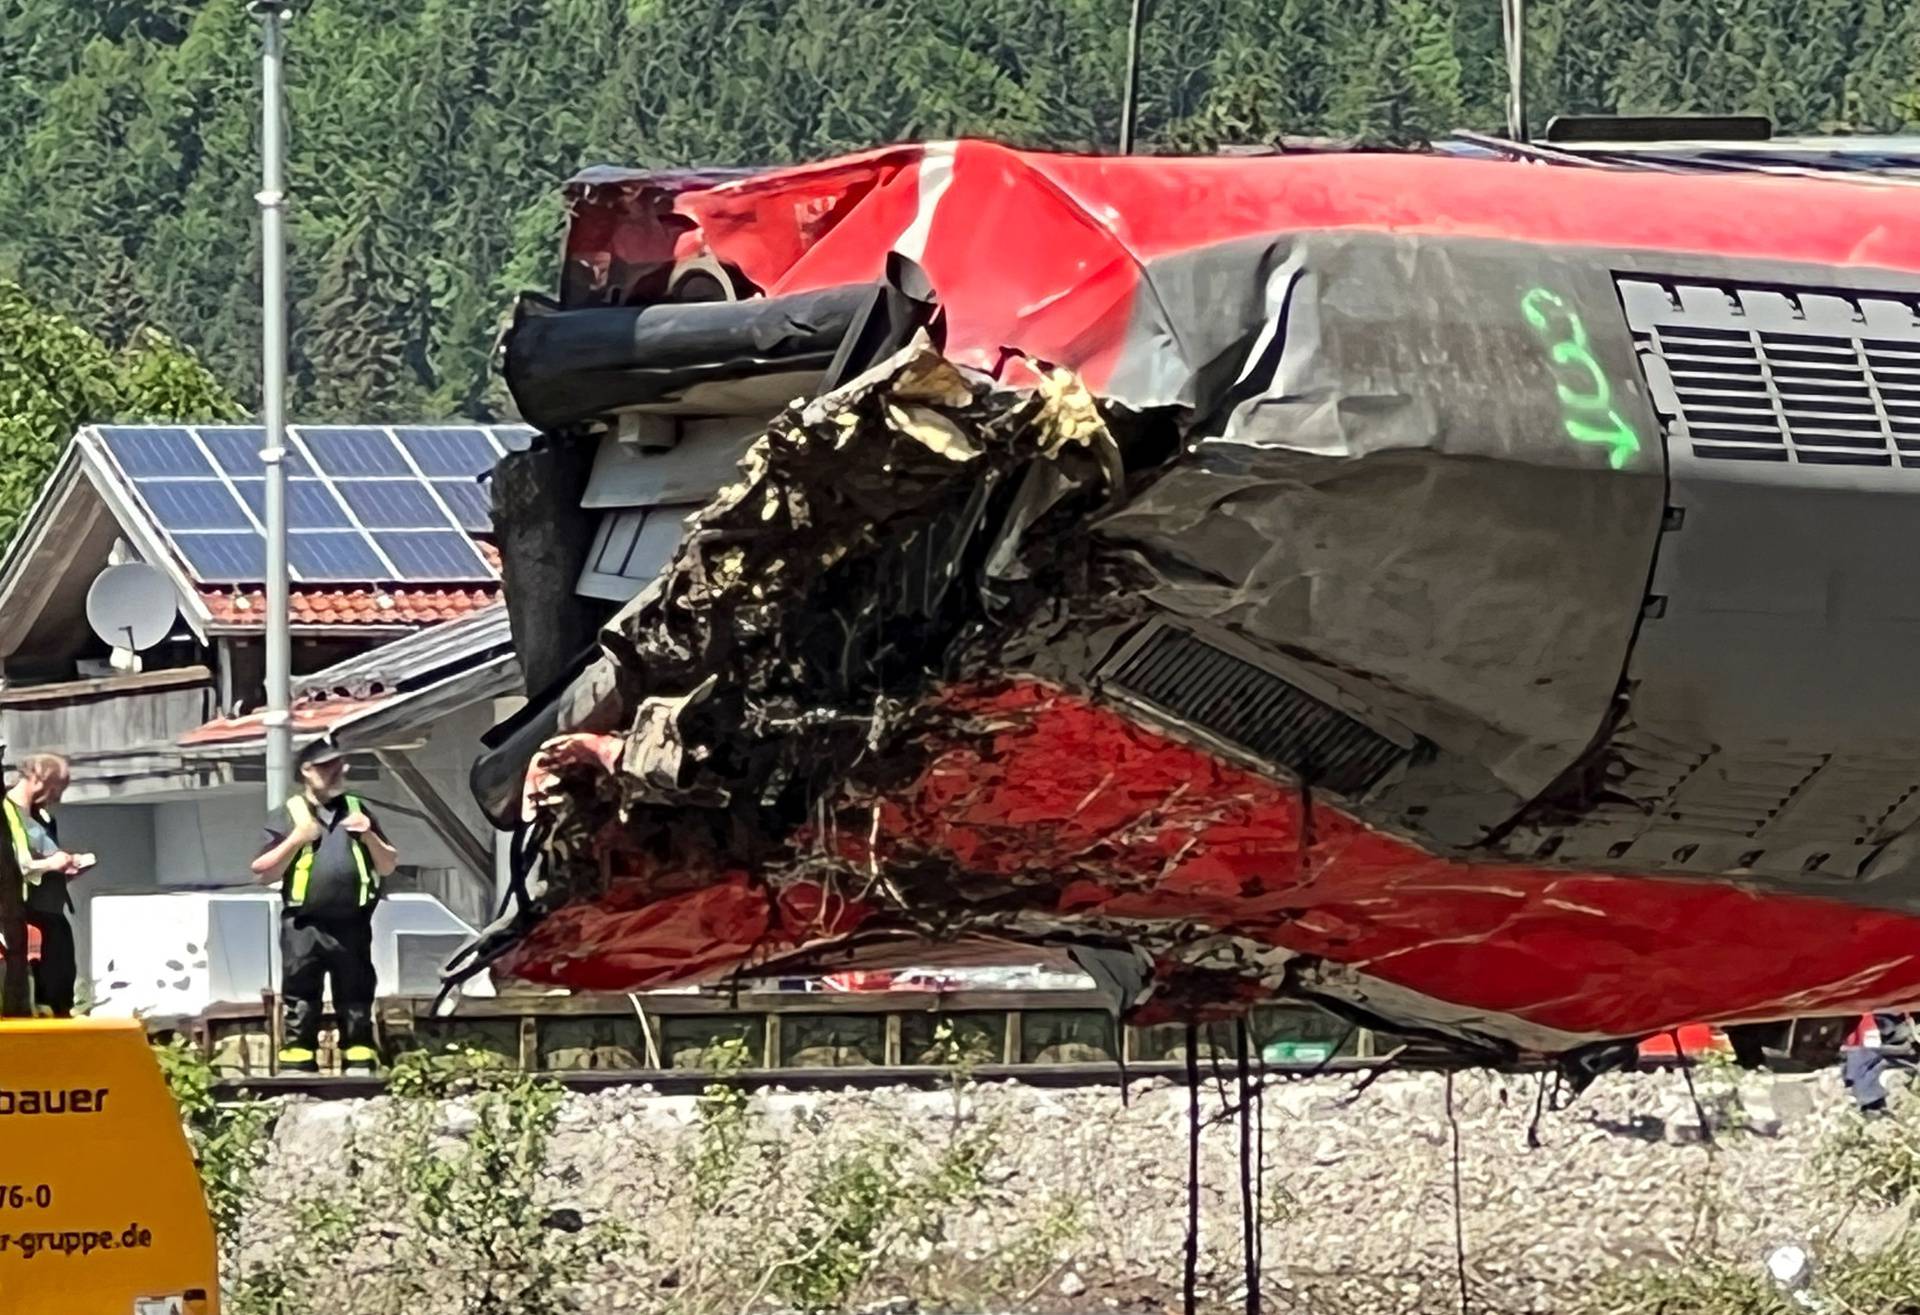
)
(1255, 710)
(1779, 375)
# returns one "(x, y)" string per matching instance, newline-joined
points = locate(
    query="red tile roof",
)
(310, 716)
(338, 607)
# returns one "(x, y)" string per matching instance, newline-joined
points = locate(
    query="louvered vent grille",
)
(1751, 374)
(1255, 710)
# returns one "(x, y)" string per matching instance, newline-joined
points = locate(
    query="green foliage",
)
(1701, 1288)
(1883, 1281)
(961, 1050)
(723, 1110)
(479, 1230)
(1716, 1084)
(1887, 1279)
(868, 1202)
(449, 1209)
(453, 1070)
(326, 1227)
(1039, 1248)
(1874, 1162)
(428, 139)
(55, 376)
(228, 1138)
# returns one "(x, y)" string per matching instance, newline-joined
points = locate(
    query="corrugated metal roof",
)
(421, 656)
(309, 721)
(364, 723)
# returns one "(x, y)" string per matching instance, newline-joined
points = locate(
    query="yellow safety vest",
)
(22, 847)
(298, 877)
(22, 853)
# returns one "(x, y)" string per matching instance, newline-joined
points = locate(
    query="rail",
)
(804, 1039)
(638, 1037)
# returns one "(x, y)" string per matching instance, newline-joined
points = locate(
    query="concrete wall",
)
(120, 836)
(208, 840)
(211, 840)
(210, 837)
(446, 759)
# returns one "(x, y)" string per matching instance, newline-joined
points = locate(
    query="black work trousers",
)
(312, 951)
(57, 971)
(1863, 1067)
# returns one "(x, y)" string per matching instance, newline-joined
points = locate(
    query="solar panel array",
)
(364, 504)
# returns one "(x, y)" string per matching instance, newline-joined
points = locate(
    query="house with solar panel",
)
(401, 653)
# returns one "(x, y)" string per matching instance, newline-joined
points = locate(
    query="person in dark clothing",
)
(1863, 1068)
(330, 857)
(35, 838)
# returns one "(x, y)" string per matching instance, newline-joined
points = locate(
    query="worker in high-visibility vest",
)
(330, 857)
(28, 807)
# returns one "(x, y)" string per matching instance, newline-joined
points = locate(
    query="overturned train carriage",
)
(1476, 596)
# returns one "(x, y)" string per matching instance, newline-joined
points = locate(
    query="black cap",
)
(320, 752)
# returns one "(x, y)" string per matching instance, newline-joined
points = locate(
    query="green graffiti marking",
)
(1588, 399)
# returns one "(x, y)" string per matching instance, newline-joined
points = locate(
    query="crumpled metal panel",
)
(1070, 821)
(858, 511)
(1371, 427)
(1387, 489)
(1051, 256)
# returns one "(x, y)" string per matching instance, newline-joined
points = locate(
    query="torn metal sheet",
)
(1316, 577)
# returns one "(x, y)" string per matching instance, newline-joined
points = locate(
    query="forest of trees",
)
(55, 377)
(428, 136)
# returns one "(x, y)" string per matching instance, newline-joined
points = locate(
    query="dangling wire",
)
(1686, 1070)
(1539, 1109)
(1459, 1224)
(1260, 1159)
(1249, 1171)
(1193, 1167)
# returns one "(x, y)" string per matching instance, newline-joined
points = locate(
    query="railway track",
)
(816, 1042)
(691, 1082)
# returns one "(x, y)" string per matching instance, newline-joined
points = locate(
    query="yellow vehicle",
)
(101, 1210)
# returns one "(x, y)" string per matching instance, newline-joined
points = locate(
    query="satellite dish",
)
(131, 606)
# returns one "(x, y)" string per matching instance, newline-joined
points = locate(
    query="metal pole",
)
(273, 375)
(1129, 104)
(1513, 14)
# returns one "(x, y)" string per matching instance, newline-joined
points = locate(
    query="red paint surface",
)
(624, 942)
(1694, 1039)
(773, 227)
(1042, 254)
(1099, 817)
(1144, 827)
(33, 946)
(1095, 817)
(636, 938)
